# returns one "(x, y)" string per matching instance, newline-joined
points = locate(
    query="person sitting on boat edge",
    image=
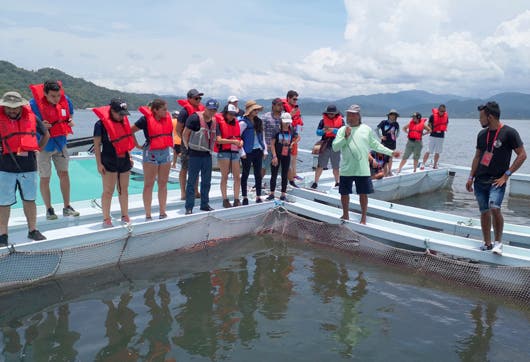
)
(438, 123)
(280, 147)
(416, 129)
(18, 161)
(228, 141)
(327, 129)
(388, 131)
(157, 152)
(354, 141)
(113, 141)
(55, 110)
(199, 138)
(491, 169)
(176, 139)
(254, 148)
(377, 165)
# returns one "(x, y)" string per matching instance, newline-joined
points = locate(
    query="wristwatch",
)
(508, 173)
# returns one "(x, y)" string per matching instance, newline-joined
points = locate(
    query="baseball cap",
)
(354, 108)
(232, 109)
(277, 101)
(174, 114)
(416, 115)
(192, 93)
(119, 105)
(331, 109)
(211, 104)
(232, 99)
(286, 118)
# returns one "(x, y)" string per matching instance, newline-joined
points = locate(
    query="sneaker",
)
(259, 200)
(253, 188)
(236, 203)
(148, 218)
(3, 240)
(162, 216)
(486, 247)
(270, 197)
(107, 223)
(226, 203)
(299, 178)
(207, 208)
(69, 211)
(35, 235)
(283, 198)
(125, 219)
(189, 211)
(293, 184)
(314, 186)
(245, 201)
(50, 214)
(497, 248)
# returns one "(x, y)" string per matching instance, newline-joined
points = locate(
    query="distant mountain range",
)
(85, 94)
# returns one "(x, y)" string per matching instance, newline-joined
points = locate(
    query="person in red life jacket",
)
(229, 143)
(491, 169)
(254, 148)
(388, 131)
(416, 129)
(199, 137)
(189, 105)
(55, 110)
(438, 123)
(280, 147)
(327, 129)
(18, 161)
(113, 141)
(157, 152)
(290, 105)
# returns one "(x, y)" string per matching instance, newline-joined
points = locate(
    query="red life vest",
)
(416, 129)
(120, 134)
(19, 135)
(439, 123)
(57, 115)
(160, 131)
(297, 118)
(228, 131)
(189, 107)
(335, 122)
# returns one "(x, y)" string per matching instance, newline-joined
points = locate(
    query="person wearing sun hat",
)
(388, 131)
(254, 147)
(18, 161)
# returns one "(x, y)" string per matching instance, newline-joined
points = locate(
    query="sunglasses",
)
(295, 99)
(197, 98)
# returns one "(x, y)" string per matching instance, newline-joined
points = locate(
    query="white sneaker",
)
(497, 248)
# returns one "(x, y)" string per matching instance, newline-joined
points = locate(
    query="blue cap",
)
(211, 104)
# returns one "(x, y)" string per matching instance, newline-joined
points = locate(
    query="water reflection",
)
(475, 347)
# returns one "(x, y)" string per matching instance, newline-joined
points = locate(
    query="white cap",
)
(232, 109)
(354, 109)
(232, 99)
(286, 117)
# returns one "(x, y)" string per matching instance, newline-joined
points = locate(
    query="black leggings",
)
(254, 159)
(283, 161)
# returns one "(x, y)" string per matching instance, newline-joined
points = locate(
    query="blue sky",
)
(324, 49)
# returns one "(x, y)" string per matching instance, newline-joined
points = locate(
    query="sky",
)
(260, 49)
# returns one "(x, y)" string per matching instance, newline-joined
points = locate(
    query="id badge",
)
(486, 158)
(63, 112)
(285, 150)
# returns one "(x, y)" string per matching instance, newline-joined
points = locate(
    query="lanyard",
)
(494, 138)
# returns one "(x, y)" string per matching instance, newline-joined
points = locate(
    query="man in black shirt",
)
(491, 169)
(18, 161)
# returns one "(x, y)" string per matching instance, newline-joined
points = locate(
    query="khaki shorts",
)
(414, 148)
(44, 162)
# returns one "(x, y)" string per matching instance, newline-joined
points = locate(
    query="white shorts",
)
(436, 144)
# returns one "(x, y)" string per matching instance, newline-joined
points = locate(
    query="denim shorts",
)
(363, 185)
(26, 183)
(158, 157)
(487, 195)
(227, 155)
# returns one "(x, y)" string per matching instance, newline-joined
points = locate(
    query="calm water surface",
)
(259, 299)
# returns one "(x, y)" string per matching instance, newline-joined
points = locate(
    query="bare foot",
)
(345, 217)
(363, 221)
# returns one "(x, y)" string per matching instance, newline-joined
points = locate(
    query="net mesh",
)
(23, 268)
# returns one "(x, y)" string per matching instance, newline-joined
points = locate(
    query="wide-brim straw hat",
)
(252, 106)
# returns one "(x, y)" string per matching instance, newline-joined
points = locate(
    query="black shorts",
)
(176, 148)
(184, 158)
(120, 165)
(363, 185)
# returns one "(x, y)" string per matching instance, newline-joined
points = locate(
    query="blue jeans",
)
(204, 166)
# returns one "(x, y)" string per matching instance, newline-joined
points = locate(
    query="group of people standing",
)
(34, 134)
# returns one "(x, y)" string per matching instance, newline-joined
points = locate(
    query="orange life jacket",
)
(120, 134)
(228, 131)
(297, 118)
(57, 115)
(439, 122)
(19, 135)
(335, 122)
(189, 107)
(160, 131)
(416, 129)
